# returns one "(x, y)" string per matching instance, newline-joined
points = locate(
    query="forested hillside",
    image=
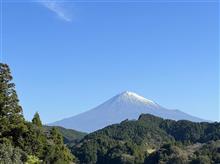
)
(70, 136)
(152, 139)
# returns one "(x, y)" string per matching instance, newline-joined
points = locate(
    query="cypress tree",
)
(10, 110)
(36, 120)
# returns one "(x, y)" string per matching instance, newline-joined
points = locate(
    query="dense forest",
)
(149, 140)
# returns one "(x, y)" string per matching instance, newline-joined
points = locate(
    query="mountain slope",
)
(126, 105)
(69, 135)
(151, 139)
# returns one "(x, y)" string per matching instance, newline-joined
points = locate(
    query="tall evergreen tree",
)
(36, 120)
(10, 110)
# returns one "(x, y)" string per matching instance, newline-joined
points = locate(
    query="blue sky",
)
(69, 57)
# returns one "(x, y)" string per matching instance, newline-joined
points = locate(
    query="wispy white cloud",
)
(57, 8)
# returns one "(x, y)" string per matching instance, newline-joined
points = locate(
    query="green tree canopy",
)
(11, 118)
(36, 120)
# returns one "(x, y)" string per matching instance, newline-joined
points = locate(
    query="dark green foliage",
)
(168, 154)
(208, 153)
(11, 155)
(187, 131)
(36, 120)
(131, 139)
(34, 141)
(56, 151)
(150, 139)
(70, 136)
(125, 153)
(11, 118)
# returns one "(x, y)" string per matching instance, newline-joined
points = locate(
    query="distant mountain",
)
(127, 105)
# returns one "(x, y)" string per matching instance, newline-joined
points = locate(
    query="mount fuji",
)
(127, 105)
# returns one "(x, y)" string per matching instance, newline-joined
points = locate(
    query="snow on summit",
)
(126, 105)
(135, 97)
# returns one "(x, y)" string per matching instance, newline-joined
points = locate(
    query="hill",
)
(150, 138)
(69, 135)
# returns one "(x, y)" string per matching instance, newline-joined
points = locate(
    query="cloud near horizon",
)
(57, 8)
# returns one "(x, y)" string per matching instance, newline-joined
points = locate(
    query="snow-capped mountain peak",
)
(127, 95)
(126, 105)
